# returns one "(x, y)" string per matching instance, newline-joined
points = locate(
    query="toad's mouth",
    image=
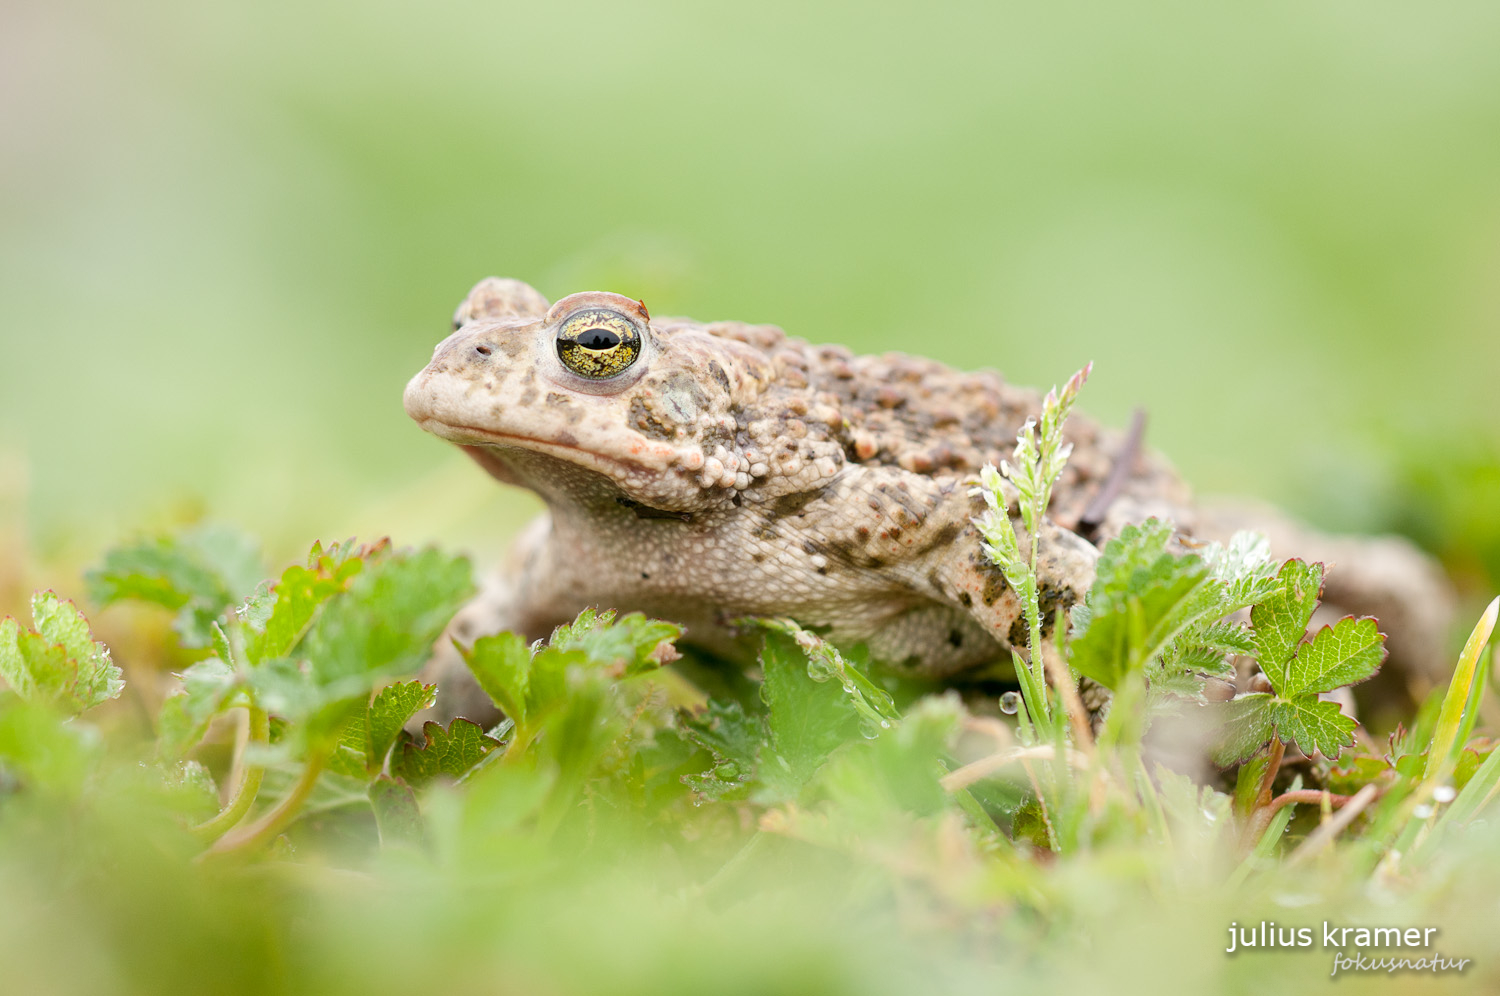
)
(474, 438)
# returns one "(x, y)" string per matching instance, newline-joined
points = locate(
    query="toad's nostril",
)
(482, 349)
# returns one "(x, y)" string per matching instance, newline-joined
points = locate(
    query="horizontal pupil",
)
(598, 339)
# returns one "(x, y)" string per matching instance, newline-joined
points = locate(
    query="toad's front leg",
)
(521, 597)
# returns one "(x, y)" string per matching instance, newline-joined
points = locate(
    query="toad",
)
(702, 472)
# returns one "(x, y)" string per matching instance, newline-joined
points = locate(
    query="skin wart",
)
(702, 472)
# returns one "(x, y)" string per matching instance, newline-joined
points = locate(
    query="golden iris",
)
(598, 344)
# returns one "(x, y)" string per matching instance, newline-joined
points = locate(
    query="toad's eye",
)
(598, 344)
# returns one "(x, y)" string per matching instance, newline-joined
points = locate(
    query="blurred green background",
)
(230, 232)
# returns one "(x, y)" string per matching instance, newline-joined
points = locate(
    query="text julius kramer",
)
(1268, 935)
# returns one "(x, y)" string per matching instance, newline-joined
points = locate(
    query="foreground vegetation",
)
(647, 821)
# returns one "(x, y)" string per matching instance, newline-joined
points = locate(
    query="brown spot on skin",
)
(901, 494)
(1017, 634)
(942, 537)
(994, 586)
(566, 439)
(965, 599)
(646, 421)
(794, 503)
(647, 512)
(717, 373)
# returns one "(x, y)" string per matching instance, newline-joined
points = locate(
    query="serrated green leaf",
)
(502, 666)
(1247, 724)
(26, 666)
(388, 619)
(807, 719)
(1281, 619)
(1314, 725)
(876, 709)
(1227, 637)
(199, 574)
(184, 717)
(297, 596)
(629, 645)
(389, 712)
(1176, 682)
(58, 663)
(734, 740)
(450, 752)
(1345, 653)
(1131, 625)
(96, 678)
(1129, 561)
(1246, 556)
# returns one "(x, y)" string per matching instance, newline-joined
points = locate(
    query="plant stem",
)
(1268, 780)
(1305, 795)
(250, 779)
(272, 823)
(1037, 663)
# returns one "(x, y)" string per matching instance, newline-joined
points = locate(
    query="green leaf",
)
(351, 753)
(1197, 812)
(1131, 624)
(502, 666)
(1221, 638)
(1456, 698)
(1281, 619)
(807, 719)
(45, 749)
(630, 645)
(734, 740)
(1314, 725)
(547, 685)
(450, 752)
(58, 663)
(297, 596)
(397, 815)
(390, 711)
(284, 689)
(1130, 561)
(881, 783)
(1248, 722)
(874, 705)
(388, 619)
(1343, 654)
(199, 574)
(184, 717)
